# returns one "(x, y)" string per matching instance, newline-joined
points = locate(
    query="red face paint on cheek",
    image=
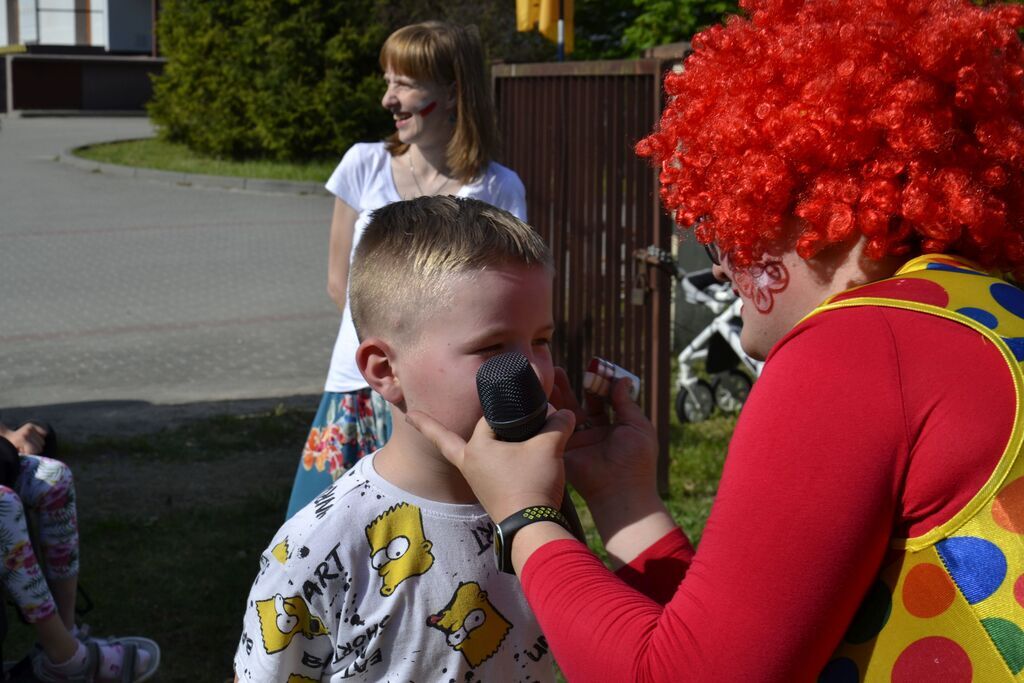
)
(760, 283)
(425, 112)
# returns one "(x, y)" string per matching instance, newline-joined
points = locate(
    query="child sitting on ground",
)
(46, 599)
(390, 572)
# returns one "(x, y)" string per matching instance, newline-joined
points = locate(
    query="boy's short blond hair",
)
(411, 251)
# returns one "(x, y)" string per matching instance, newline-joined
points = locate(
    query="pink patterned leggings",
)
(45, 489)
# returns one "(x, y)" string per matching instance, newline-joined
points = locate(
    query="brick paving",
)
(121, 294)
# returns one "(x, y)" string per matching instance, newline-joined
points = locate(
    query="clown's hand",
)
(614, 451)
(612, 460)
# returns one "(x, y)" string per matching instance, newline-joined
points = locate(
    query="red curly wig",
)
(899, 120)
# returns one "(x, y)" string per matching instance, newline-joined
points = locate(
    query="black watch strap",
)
(506, 531)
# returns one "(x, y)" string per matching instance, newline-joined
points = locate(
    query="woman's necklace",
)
(415, 179)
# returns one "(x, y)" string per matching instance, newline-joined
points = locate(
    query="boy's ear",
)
(374, 358)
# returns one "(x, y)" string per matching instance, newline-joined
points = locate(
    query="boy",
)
(389, 574)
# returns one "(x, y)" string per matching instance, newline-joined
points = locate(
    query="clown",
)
(856, 171)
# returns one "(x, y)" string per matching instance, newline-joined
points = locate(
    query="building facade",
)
(113, 26)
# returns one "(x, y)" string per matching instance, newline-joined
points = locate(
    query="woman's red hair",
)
(899, 120)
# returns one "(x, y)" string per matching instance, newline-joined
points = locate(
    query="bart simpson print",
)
(280, 551)
(398, 548)
(471, 623)
(282, 618)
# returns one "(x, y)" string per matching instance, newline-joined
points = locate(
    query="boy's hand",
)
(28, 438)
(506, 477)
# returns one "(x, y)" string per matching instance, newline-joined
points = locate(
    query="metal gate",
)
(568, 130)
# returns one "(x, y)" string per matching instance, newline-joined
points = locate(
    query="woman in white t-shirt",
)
(444, 143)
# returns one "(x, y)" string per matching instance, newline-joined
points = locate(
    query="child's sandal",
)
(128, 654)
(130, 648)
(90, 673)
(87, 675)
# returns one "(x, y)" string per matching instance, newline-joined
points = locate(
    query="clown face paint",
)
(759, 284)
(759, 287)
(425, 112)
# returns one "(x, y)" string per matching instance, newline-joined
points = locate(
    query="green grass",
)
(172, 525)
(170, 156)
(695, 468)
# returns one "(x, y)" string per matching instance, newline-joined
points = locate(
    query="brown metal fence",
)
(568, 131)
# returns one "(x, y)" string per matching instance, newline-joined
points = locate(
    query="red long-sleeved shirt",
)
(866, 424)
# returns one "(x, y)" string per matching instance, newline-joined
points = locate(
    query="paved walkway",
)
(124, 299)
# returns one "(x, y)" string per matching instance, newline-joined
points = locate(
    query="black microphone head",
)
(514, 402)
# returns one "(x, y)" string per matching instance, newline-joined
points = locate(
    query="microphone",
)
(515, 406)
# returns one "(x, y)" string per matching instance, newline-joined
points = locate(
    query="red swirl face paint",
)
(425, 112)
(760, 283)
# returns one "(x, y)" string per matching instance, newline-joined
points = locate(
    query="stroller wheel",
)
(731, 389)
(695, 402)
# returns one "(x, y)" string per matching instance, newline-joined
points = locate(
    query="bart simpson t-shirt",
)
(369, 583)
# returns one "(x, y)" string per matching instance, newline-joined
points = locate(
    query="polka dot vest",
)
(950, 606)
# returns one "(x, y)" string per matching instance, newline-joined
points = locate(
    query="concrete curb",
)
(261, 185)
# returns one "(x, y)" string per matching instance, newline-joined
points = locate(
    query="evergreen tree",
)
(281, 79)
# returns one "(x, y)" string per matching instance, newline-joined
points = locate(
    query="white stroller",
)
(718, 346)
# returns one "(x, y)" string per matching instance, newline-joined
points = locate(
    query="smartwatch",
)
(506, 531)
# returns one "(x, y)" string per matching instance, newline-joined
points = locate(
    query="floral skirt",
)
(347, 426)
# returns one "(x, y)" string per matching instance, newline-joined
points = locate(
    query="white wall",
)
(97, 19)
(98, 26)
(57, 22)
(27, 20)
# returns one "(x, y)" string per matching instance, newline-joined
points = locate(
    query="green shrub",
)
(279, 79)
